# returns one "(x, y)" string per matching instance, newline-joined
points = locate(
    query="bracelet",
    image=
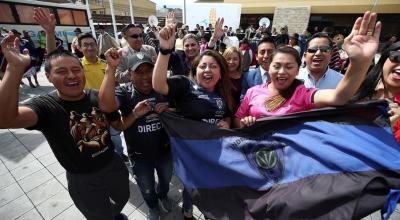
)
(164, 51)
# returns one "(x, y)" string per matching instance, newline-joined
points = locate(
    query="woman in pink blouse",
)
(285, 94)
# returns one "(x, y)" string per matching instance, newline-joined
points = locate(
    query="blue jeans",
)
(117, 141)
(144, 175)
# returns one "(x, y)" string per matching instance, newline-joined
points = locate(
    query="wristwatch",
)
(166, 51)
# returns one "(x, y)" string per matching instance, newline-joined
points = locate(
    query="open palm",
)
(45, 19)
(10, 49)
(362, 43)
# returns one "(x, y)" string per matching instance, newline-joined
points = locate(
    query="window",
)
(99, 2)
(80, 17)
(5, 14)
(65, 16)
(101, 12)
(25, 13)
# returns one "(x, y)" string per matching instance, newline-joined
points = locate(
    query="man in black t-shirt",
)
(74, 126)
(146, 139)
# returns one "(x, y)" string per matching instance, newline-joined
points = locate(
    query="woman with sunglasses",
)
(285, 94)
(383, 82)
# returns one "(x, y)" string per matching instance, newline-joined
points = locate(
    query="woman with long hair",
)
(383, 82)
(233, 57)
(285, 94)
(203, 96)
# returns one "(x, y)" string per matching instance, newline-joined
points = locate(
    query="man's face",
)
(264, 51)
(88, 47)
(67, 76)
(134, 37)
(141, 78)
(318, 55)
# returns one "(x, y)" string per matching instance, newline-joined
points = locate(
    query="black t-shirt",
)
(194, 102)
(77, 131)
(146, 138)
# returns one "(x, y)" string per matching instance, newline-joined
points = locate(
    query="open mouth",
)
(207, 78)
(317, 60)
(72, 84)
(281, 80)
(396, 74)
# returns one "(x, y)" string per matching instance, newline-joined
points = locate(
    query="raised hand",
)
(10, 49)
(167, 33)
(362, 43)
(113, 57)
(170, 19)
(218, 31)
(45, 19)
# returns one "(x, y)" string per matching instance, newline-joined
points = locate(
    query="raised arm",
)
(11, 115)
(48, 22)
(217, 34)
(167, 41)
(107, 100)
(361, 46)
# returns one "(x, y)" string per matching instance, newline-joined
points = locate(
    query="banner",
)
(332, 163)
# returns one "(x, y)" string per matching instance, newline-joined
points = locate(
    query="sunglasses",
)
(323, 49)
(135, 36)
(394, 56)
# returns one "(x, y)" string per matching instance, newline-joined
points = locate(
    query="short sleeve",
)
(121, 96)
(308, 94)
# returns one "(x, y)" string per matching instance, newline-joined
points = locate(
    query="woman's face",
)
(191, 48)
(233, 61)
(208, 73)
(391, 70)
(283, 70)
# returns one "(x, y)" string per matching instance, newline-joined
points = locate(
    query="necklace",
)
(274, 102)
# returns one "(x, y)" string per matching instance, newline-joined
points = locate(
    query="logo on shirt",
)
(89, 130)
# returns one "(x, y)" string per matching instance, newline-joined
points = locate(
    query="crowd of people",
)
(102, 90)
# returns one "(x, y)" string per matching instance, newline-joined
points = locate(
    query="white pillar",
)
(90, 18)
(113, 20)
(184, 12)
(131, 9)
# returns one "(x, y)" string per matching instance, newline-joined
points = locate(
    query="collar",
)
(86, 62)
(263, 71)
(311, 76)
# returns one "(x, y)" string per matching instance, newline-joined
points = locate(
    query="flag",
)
(332, 163)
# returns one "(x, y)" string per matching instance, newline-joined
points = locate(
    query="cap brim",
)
(134, 67)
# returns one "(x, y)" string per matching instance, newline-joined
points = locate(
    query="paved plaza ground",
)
(33, 184)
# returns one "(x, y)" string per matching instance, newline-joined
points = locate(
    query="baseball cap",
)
(140, 58)
(78, 30)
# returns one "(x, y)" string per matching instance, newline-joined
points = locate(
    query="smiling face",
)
(264, 50)
(283, 70)
(191, 48)
(141, 78)
(134, 37)
(208, 73)
(233, 60)
(317, 62)
(391, 72)
(67, 76)
(89, 47)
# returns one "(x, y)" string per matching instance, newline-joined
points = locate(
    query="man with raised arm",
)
(75, 128)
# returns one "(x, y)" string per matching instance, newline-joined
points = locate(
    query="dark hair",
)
(266, 40)
(296, 40)
(85, 35)
(293, 52)
(367, 88)
(125, 29)
(223, 86)
(56, 54)
(320, 35)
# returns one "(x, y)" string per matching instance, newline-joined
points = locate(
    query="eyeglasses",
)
(135, 36)
(394, 56)
(92, 45)
(323, 49)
